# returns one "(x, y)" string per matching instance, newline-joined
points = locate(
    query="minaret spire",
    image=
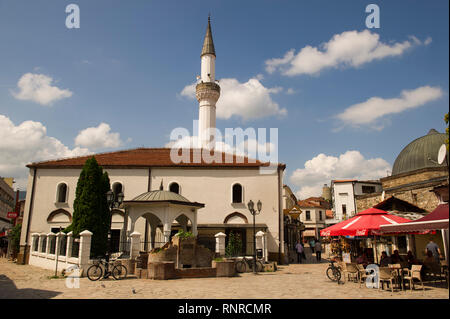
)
(208, 43)
(207, 92)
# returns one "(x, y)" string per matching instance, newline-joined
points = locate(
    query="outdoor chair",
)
(351, 271)
(362, 275)
(398, 273)
(388, 275)
(414, 273)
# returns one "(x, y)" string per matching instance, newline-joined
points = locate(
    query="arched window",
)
(117, 188)
(174, 187)
(237, 193)
(61, 194)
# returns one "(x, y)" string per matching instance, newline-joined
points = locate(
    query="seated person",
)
(430, 258)
(411, 259)
(362, 259)
(396, 258)
(385, 260)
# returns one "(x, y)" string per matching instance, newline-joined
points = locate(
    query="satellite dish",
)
(442, 153)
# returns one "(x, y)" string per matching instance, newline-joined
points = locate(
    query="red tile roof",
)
(150, 157)
(314, 202)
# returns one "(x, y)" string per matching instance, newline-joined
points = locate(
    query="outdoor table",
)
(399, 269)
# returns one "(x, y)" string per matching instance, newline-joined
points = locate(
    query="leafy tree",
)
(446, 130)
(14, 238)
(234, 246)
(91, 211)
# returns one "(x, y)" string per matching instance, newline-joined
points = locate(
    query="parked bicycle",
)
(333, 272)
(245, 264)
(103, 268)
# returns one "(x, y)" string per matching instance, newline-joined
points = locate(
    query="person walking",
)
(318, 249)
(434, 249)
(312, 243)
(300, 251)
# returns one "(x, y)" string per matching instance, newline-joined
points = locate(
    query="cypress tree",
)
(91, 211)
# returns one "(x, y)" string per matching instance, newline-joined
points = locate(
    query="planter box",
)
(224, 268)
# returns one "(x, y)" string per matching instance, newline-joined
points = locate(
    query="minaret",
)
(207, 91)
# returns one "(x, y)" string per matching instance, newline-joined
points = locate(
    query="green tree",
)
(234, 247)
(14, 238)
(446, 130)
(90, 207)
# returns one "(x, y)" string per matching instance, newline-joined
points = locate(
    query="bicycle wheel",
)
(241, 266)
(333, 274)
(259, 266)
(94, 272)
(119, 272)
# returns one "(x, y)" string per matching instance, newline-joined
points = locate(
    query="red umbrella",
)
(363, 224)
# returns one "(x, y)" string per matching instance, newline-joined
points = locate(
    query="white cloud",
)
(369, 111)
(323, 168)
(38, 88)
(350, 48)
(98, 137)
(25, 143)
(249, 100)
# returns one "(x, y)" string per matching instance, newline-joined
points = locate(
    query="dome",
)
(420, 153)
(160, 195)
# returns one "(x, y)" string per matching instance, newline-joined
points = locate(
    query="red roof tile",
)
(150, 157)
(317, 202)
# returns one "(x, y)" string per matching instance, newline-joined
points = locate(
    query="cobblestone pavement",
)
(293, 281)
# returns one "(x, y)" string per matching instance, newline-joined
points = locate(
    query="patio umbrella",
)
(363, 224)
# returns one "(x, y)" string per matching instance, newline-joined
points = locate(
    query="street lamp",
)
(114, 201)
(251, 208)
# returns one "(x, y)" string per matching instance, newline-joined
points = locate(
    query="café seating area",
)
(401, 276)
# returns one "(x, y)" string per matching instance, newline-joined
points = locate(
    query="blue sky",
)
(128, 63)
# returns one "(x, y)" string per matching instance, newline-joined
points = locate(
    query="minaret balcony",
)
(207, 90)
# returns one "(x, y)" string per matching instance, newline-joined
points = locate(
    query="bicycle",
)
(101, 268)
(333, 272)
(245, 264)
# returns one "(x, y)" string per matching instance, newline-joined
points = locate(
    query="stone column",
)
(194, 224)
(220, 243)
(84, 252)
(69, 244)
(135, 244)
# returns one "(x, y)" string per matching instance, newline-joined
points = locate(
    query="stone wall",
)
(414, 177)
(414, 188)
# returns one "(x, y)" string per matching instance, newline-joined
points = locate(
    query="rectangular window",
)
(320, 215)
(308, 215)
(344, 209)
(368, 189)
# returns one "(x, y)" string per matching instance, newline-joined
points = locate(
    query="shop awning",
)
(309, 233)
(437, 219)
(364, 223)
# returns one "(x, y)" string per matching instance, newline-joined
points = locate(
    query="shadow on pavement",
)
(8, 290)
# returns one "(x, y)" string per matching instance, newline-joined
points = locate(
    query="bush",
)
(184, 234)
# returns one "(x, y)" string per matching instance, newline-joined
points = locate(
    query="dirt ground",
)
(294, 281)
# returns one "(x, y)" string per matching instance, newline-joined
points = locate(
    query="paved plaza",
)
(293, 281)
